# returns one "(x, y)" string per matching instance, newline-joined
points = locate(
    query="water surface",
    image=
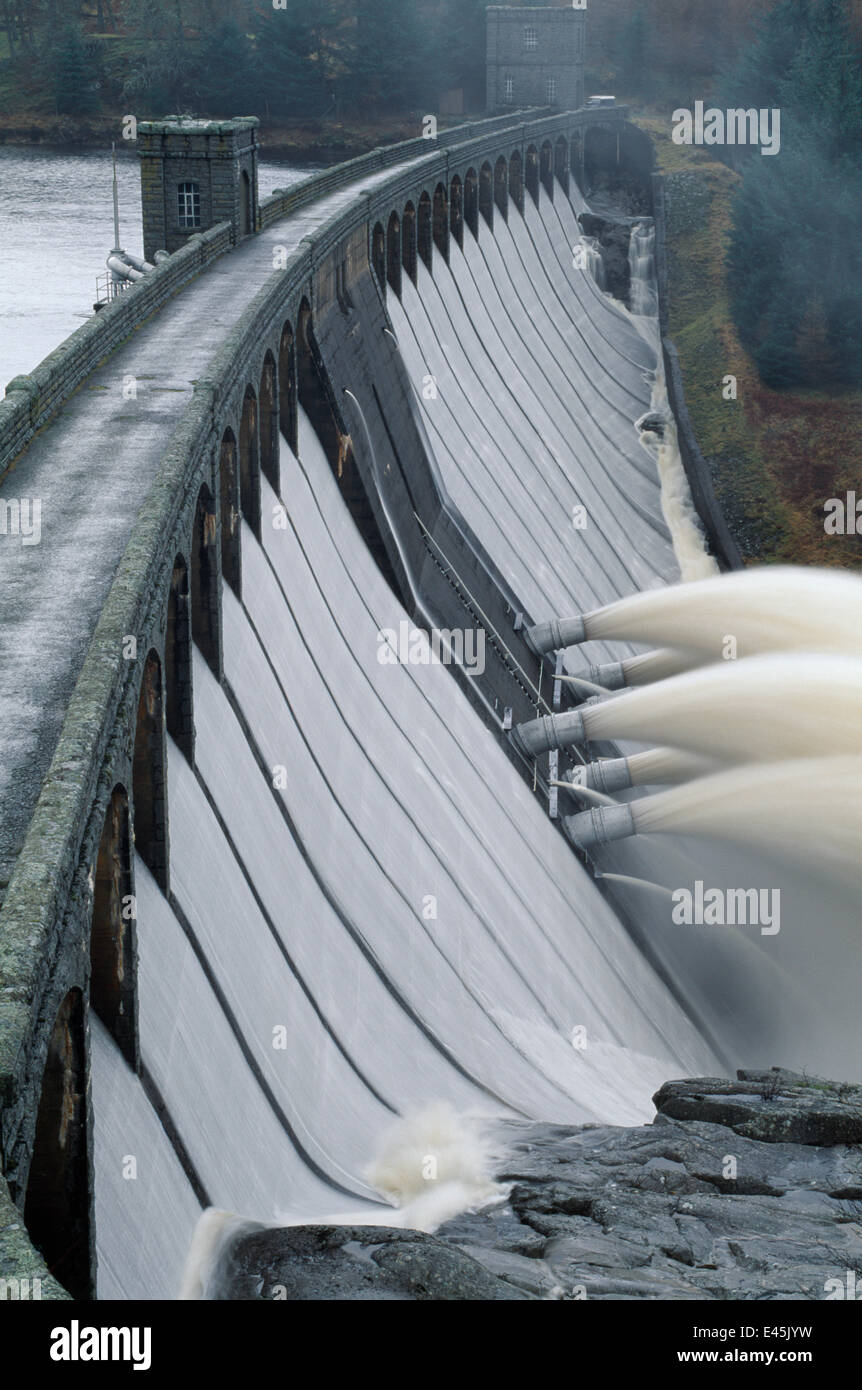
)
(56, 229)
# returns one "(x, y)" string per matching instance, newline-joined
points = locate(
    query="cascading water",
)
(666, 765)
(658, 665)
(658, 432)
(643, 296)
(595, 261)
(805, 811)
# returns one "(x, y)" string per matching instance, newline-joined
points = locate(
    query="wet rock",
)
(612, 239)
(652, 423)
(775, 1106)
(745, 1188)
(338, 1263)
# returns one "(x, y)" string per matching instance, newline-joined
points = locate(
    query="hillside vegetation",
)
(777, 455)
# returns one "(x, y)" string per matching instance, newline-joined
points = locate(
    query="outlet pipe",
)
(601, 825)
(668, 766)
(551, 731)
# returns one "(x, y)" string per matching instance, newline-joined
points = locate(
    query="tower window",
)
(189, 205)
(552, 90)
(510, 89)
(531, 38)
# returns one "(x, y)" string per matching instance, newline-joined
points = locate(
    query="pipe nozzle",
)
(601, 825)
(559, 632)
(612, 675)
(550, 731)
(606, 775)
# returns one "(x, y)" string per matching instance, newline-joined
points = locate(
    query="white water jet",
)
(765, 709)
(769, 609)
(805, 811)
(667, 765)
(658, 665)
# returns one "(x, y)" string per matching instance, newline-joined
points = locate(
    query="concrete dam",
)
(274, 872)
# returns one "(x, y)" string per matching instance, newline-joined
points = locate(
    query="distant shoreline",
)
(315, 145)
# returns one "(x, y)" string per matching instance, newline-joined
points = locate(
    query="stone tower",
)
(195, 174)
(536, 56)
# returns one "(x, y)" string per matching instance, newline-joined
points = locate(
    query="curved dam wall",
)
(275, 890)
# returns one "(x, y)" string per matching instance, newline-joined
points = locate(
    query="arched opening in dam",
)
(149, 786)
(112, 929)
(532, 173)
(561, 162)
(229, 508)
(269, 422)
(287, 385)
(501, 186)
(408, 240)
(378, 254)
(576, 161)
(486, 194)
(456, 209)
(178, 661)
(393, 253)
(425, 231)
(546, 168)
(441, 221)
(56, 1210)
(516, 180)
(249, 461)
(601, 152)
(204, 578)
(471, 201)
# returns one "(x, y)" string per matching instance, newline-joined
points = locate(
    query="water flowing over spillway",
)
(371, 913)
(306, 909)
(538, 381)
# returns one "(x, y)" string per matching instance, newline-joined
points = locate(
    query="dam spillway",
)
(349, 901)
(385, 1010)
(456, 944)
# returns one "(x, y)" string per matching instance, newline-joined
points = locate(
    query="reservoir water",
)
(56, 229)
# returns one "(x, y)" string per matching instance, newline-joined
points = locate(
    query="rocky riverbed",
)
(739, 1189)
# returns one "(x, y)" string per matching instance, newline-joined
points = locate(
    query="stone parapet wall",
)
(31, 400)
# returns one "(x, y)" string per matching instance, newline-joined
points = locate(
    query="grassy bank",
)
(776, 456)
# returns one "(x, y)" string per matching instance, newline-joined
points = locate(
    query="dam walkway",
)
(90, 471)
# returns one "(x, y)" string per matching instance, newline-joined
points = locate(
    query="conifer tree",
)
(74, 74)
(795, 261)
